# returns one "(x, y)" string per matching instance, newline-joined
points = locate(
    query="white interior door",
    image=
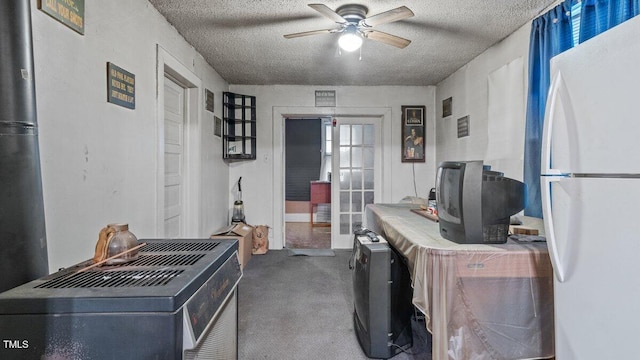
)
(174, 121)
(357, 175)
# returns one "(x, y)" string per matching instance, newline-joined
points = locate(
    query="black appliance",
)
(178, 300)
(382, 296)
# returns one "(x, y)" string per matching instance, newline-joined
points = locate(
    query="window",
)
(575, 22)
(327, 138)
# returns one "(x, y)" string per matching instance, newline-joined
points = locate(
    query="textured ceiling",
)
(243, 39)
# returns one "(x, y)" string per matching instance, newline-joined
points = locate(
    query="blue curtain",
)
(597, 16)
(550, 35)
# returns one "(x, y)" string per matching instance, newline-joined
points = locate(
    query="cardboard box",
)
(244, 234)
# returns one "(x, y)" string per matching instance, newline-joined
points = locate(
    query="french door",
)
(357, 174)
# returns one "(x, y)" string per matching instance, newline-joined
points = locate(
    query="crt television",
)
(475, 204)
(382, 297)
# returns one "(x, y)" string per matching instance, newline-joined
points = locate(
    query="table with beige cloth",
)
(480, 301)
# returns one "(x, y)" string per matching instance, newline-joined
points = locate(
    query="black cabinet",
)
(238, 127)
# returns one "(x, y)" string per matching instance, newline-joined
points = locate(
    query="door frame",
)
(169, 66)
(280, 113)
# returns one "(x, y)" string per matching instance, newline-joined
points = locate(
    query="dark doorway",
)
(304, 159)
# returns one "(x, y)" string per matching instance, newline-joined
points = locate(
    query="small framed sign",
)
(208, 98)
(121, 87)
(446, 107)
(413, 132)
(325, 98)
(463, 126)
(217, 126)
(68, 12)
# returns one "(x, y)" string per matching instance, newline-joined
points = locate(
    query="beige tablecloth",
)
(480, 301)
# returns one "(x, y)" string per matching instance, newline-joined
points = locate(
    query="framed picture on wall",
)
(413, 133)
(446, 107)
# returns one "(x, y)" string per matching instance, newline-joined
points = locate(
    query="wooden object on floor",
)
(523, 230)
(320, 194)
(426, 213)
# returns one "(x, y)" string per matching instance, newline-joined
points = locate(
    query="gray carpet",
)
(300, 307)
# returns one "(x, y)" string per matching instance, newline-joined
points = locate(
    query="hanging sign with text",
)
(325, 98)
(121, 87)
(68, 12)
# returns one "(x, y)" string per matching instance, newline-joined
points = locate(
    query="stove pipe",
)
(23, 244)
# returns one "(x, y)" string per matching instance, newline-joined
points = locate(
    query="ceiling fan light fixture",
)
(354, 25)
(350, 40)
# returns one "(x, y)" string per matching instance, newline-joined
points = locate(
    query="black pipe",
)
(23, 243)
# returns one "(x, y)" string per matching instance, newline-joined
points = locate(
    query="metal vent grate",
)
(220, 341)
(180, 246)
(115, 278)
(166, 260)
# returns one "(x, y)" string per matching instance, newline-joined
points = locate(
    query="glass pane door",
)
(358, 170)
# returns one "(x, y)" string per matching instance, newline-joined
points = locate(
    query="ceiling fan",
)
(354, 25)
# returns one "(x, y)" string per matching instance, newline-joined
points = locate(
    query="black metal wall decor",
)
(238, 127)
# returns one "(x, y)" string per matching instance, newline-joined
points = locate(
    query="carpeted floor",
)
(300, 307)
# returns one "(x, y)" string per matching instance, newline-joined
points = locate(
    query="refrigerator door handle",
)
(553, 103)
(557, 92)
(552, 243)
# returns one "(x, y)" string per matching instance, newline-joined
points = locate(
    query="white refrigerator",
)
(591, 195)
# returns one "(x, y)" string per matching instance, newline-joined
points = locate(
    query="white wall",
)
(258, 176)
(469, 89)
(100, 160)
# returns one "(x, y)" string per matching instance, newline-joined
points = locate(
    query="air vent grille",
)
(166, 260)
(180, 246)
(158, 263)
(113, 279)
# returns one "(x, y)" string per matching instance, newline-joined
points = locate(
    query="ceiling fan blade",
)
(326, 11)
(385, 38)
(307, 33)
(392, 15)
